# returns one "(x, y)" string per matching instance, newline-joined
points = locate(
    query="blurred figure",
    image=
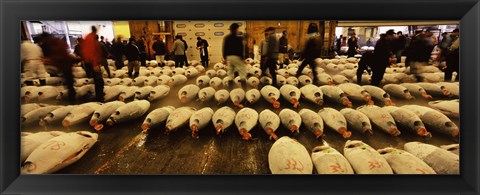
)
(399, 45)
(185, 52)
(271, 54)
(141, 44)
(55, 51)
(352, 45)
(104, 55)
(444, 44)
(202, 45)
(344, 42)
(263, 51)
(313, 49)
(369, 42)
(453, 57)
(160, 51)
(339, 43)
(383, 57)
(91, 51)
(367, 60)
(117, 52)
(133, 54)
(179, 51)
(420, 52)
(31, 58)
(233, 54)
(283, 50)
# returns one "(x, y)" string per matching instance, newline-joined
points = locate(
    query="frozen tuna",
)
(364, 159)
(288, 156)
(237, 95)
(129, 111)
(313, 121)
(380, 118)
(102, 113)
(155, 117)
(143, 92)
(221, 96)
(290, 120)
(291, 94)
(403, 162)
(408, 119)
(38, 114)
(453, 148)
(127, 93)
(312, 93)
(356, 120)
(327, 160)
(245, 120)
(159, 92)
(356, 92)
(188, 93)
(336, 94)
(450, 108)
(416, 90)
(31, 141)
(271, 94)
(200, 119)
(269, 122)
(398, 91)
(203, 81)
(179, 117)
(56, 115)
(442, 161)
(335, 120)
(379, 94)
(436, 90)
(252, 95)
(435, 120)
(223, 118)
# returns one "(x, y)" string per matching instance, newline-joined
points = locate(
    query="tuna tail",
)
(168, 128)
(346, 102)
(219, 129)
(344, 132)
(293, 128)
(319, 101)
(295, 102)
(368, 99)
(408, 96)
(194, 129)
(121, 98)
(98, 127)
(368, 130)
(424, 133)
(42, 123)
(318, 133)
(237, 104)
(183, 99)
(389, 102)
(275, 103)
(65, 123)
(93, 122)
(426, 96)
(331, 83)
(394, 132)
(145, 127)
(272, 134)
(246, 136)
(455, 133)
(446, 92)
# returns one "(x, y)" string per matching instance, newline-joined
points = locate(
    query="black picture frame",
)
(13, 11)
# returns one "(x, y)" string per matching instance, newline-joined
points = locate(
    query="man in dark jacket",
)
(233, 54)
(352, 45)
(185, 60)
(283, 50)
(339, 43)
(453, 57)
(202, 46)
(117, 52)
(133, 54)
(383, 57)
(143, 53)
(312, 51)
(271, 54)
(104, 56)
(160, 51)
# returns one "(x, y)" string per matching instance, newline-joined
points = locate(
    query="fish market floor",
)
(123, 149)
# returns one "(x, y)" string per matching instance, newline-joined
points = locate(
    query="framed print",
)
(297, 97)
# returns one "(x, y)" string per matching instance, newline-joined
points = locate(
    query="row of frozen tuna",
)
(288, 156)
(48, 152)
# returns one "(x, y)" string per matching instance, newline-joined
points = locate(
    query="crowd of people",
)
(93, 51)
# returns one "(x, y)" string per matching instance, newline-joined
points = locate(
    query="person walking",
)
(263, 51)
(352, 45)
(339, 43)
(179, 51)
(383, 57)
(202, 46)
(185, 60)
(91, 52)
(160, 51)
(31, 57)
(283, 50)
(118, 50)
(104, 55)
(313, 49)
(399, 43)
(453, 57)
(56, 52)
(132, 52)
(271, 54)
(419, 53)
(232, 52)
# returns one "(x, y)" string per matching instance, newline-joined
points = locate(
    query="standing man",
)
(453, 57)
(352, 45)
(444, 44)
(91, 51)
(400, 43)
(233, 54)
(271, 54)
(202, 46)
(160, 51)
(104, 55)
(283, 50)
(179, 51)
(339, 43)
(133, 54)
(313, 49)
(117, 52)
(143, 53)
(263, 51)
(383, 57)
(185, 52)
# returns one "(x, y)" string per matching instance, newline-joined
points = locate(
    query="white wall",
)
(105, 28)
(212, 33)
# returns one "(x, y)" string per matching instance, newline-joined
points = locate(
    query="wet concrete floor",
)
(123, 149)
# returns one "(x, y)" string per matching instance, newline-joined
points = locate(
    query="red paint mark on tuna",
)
(375, 165)
(295, 163)
(55, 145)
(337, 168)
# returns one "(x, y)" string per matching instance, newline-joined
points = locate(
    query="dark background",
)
(13, 11)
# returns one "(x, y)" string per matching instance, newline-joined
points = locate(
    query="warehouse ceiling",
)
(353, 23)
